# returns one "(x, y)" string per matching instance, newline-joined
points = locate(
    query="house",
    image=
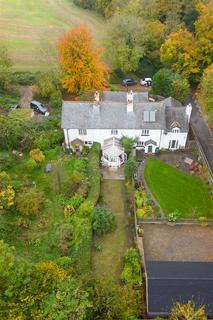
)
(153, 125)
(178, 264)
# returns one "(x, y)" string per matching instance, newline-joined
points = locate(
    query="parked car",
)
(14, 107)
(129, 82)
(146, 82)
(39, 107)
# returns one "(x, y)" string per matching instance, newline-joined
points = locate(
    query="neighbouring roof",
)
(169, 282)
(112, 114)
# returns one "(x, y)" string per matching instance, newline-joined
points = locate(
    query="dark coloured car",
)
(129, 82)
(39, 107)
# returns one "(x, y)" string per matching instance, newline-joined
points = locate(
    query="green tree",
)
(205, 95)
(103, 221)
(5, 68)
(127, 144)
(167, 83)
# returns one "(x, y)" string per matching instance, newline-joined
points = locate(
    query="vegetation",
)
(5, 68)
(206, 92)
(76, 49)
(167, 83)
(103, 221)
(130, 168)
(187, 311)
(176, 190)
(43, 22)
(132, 267)
(145, 207)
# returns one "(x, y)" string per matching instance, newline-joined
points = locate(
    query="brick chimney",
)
(130, 101)
(96, 103)
(97, 96)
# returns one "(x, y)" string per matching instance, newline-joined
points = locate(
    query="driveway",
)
(203, 133)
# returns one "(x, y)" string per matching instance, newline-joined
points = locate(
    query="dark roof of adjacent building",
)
(112, 113)
(169, 282)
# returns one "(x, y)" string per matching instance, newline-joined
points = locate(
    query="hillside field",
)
(30, 29)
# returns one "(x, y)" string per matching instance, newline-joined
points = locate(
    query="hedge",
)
(82, 237)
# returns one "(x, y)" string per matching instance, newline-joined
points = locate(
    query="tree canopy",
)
(81, 62)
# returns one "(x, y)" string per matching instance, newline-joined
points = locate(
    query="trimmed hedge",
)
(82, 236)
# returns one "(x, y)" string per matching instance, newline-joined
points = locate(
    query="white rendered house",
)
(153, 125)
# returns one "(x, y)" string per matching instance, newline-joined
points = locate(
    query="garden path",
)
(110, 248)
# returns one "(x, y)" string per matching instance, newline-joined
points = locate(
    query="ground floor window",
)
(140, 144)
(173, 144)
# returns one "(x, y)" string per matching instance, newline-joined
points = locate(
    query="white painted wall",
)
(99, 135)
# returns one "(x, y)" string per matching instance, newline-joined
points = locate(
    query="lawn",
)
(110, 248)
(30, 28)
(176, 190)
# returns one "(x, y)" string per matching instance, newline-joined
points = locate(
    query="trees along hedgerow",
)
(206, 92)
(81, 62)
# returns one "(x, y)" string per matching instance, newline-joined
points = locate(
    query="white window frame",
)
(145, 132)
(140, 144)
(176, 130)
(82, 132)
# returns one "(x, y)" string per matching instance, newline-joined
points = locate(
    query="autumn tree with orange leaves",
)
(81, 62)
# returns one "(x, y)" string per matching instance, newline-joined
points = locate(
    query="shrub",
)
(6, 161)
(130, 168)
(127, 144)
(37, 155)
(7, 194)
(132, 267)
(174, 216)
(103, 221)
(31, 165)
(56, 99)
(30, 202)
(26, 78)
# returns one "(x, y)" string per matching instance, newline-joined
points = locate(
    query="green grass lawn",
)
(31, 28)
(176, 190)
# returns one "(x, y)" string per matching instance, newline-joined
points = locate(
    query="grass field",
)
(30, 29)
(176, 190)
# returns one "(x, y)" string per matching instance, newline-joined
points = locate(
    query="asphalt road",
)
(202, 132)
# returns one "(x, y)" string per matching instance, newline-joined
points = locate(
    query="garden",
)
(179, 194)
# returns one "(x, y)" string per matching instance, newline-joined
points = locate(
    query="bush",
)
(167, 83)
(130, 168)
(24, 78)
(132, 267)
(30, 202)
(127, 144)
(103, 221)
(56, 99)
(31, 165)
(6, 161)
(37, 155)
(94, 173)
(7, 194)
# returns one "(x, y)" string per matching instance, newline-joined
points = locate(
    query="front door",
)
(149, 149)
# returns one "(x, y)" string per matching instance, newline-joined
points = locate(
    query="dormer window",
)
(175, 130)
(149, 116)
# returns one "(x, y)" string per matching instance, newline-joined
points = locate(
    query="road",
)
(203, 133)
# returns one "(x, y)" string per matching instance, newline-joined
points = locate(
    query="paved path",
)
(110, 173)
(203, 133)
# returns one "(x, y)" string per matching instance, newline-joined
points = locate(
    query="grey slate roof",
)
(169, 282)
(112, 114)
(120, 96)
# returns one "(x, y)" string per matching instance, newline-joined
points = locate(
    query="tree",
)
(7, 194)
(130, 39)
(180, 53)
(81, 63)
(5, 68)
(102, 220)
(187, 311)
(127, 144)
(167, 83)
(130, 168)
(206, 92)
(30, 202)
(204, 34)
